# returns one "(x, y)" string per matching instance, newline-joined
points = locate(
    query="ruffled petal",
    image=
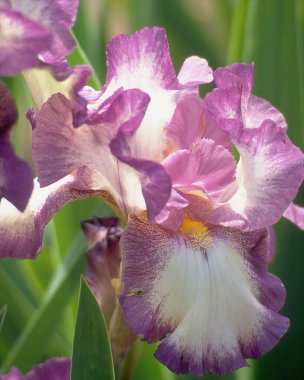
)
(240, 75)
(146, 54)
(259, 110)
(295, 214)
(142, 60)
(172, 215)
(21, 232)
(56, 16)
(59, 148)
(22, 39)
(205, 291)
(269, 174)
(207, 167)
(195, 71)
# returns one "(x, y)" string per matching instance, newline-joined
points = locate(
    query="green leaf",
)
(92, 357)
(43, 323)
(3, 311)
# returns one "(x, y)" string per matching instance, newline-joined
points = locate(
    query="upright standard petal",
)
(195, 70)
(16, 176)
(205, 291)
(21, 232)
(142, 60)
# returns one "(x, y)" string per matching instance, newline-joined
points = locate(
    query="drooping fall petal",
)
(204, 291)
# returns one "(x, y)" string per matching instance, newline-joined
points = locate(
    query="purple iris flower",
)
(114, 153)
(13, 170)
(198, 239)
(52, 369)
(31, 27)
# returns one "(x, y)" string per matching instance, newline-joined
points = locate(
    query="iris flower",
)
(197, 244)
(52, 369)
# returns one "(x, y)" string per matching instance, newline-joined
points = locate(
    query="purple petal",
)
(239, 75)
(269, 174)
(204, 291)
(218, 135)
(272, 243)
(145, 54)
(259, 110)
(187, 124)
(195, 71)
(21, 233)
(155, 182)
(22, 40)
(223, 103)
(52, 369)
(232, 99)
(104, 259)
(207, 167)
(295, 214)
(16, 177)
(8, 109)
(56, 16)
(14, 374)
(143, 61)
(59, 148)
(172, 215)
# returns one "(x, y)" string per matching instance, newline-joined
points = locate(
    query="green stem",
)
(79, 56)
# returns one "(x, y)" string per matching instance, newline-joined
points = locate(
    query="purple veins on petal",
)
(206, 294)
(21, 232)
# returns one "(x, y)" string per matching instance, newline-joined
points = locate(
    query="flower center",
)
(198, 234)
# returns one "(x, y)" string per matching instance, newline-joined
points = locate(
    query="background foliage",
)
(41, 296)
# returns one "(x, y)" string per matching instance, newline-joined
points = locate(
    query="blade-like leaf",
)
(44, 321)
(92, 357)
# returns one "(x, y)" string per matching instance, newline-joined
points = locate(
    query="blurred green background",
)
(41, 296)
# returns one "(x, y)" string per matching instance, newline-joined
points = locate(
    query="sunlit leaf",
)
(92, 357)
